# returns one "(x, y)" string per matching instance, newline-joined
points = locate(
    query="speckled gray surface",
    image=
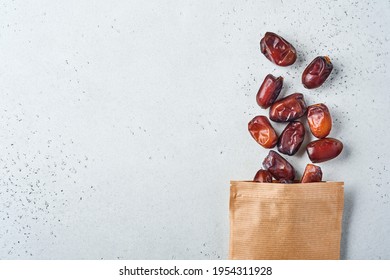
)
(123, 122)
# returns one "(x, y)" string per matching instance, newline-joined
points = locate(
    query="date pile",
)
(289, 109)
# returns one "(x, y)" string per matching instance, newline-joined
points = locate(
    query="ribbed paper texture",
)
(285, 221)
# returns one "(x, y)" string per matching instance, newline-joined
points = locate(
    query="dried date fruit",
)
(319, 119)
(277, 49)
(291, 138)
(312, 173)
(324, 149)
(288, 109)
(262, 131)
(317, 72)
(269, 91)
(263, 176)
(279, 167)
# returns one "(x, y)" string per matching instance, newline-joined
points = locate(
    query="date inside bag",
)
(285, 221)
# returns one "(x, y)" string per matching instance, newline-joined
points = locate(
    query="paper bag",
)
(285, 221)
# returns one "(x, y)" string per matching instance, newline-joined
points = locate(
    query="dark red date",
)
(269, 91)
(319, 119)
(287, 109)
(312, 173)
(277, 49)
(262, 131)
(324, 149)
(291, 138)
(263, 176)
(317, 72)
(279, 167)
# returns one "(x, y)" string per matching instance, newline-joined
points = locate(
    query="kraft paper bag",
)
(285, 221)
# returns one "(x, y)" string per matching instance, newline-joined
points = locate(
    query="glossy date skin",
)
(319, 119)
(317, 72)
(291, 138)
(277, 49)
(279, 167)
(263, 176)
(312, 173)
(269, 91)
(324, 149)
(287, 109)
(262, 131)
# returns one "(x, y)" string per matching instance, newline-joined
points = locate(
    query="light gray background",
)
(122, 122)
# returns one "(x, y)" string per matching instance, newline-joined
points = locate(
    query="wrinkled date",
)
(288, 109)
(319, 119)
(269, 91)
(280, 168)
(324, 149)
(317, 72)
(277, 49)
(262, 131)
(291, 138)
(312, 173)
(263, 176)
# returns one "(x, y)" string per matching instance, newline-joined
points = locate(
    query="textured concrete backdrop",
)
(122, 122)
